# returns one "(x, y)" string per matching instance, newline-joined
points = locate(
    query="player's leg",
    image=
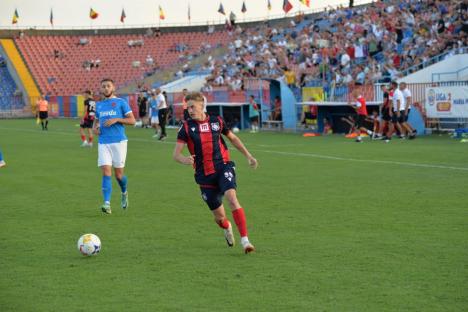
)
(413, 131)
(119, 155)
(105, 163)
(239, 218)
(106, 188)
(213, 198)
(41, 118)
(162, 122)
(227, 184)
(84, 142)
(90, 137)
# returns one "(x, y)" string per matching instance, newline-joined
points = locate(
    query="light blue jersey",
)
(108, 109)
(253, 110)
(154, 107)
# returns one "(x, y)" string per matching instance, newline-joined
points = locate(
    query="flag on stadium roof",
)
(188, 13)
(221, 9)
(123, 16)
(287, 6)
(244, 8)
(306, 3)
(161, 13)
(93, 14)
(15, 17)
(269, 5)
(51, 19)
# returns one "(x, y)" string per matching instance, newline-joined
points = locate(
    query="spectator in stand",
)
(277, 116)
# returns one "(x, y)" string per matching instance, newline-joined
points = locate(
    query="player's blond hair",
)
(194, 96)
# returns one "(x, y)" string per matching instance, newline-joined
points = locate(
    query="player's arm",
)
(398, 108)
(240, 146)
(408, 103)
(177, 155)
(128, 120)
(96, 127)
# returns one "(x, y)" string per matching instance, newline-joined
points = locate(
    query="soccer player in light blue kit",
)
(112, 113)
(2, 162)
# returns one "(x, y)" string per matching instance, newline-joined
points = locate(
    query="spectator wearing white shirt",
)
(408, 101)
(398, 109)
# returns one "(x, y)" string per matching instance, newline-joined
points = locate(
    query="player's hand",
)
(110, 122)
(189, 160)
(252, 162)
(97, 131)
(398, 114)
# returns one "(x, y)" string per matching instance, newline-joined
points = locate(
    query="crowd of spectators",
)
(362, 45)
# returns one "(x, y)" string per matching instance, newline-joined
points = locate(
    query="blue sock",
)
(1, 156)
(123, 184)
(106, 188)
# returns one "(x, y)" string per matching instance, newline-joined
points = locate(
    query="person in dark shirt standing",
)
(142, 109)
(88, 120)
(214, 171)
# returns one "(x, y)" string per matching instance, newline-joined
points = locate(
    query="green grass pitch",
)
(338, 226)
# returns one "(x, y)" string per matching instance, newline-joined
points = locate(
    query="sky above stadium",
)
(75, 13)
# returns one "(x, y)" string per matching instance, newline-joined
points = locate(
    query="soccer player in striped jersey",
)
(214, 171)
(112, 114)
(88, 119)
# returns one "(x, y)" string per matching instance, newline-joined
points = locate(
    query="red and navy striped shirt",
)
(204, 140)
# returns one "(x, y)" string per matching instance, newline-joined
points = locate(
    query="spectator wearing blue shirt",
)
(112, 114)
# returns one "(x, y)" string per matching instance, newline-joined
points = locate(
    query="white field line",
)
(311, 155)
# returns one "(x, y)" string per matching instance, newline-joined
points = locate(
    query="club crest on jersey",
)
(215, 126)
(204, 127)
(114, 104)
(193, 129)
(228, 175)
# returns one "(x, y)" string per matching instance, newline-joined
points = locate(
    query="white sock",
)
(244, 240)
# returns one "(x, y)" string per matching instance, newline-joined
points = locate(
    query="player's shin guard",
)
(123, 184)
(239, 219)
(106, 188)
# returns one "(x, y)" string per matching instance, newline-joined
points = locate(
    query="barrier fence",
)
(73, 106)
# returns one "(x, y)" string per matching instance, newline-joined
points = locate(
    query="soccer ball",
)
(235, 130)
(89, 244)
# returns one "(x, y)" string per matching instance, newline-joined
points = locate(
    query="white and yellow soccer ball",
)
(235, 130)
(89, 245)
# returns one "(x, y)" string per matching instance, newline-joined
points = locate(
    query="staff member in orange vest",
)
(43, 108)
(361, 109)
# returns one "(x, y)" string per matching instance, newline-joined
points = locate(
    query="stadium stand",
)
(379, 42)
(67, 65)
(7, 87)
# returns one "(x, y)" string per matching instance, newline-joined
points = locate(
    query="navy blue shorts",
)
(214, 186)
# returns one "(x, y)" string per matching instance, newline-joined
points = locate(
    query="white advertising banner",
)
(449, 102)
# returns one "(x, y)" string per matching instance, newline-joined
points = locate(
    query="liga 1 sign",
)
(447, 102)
